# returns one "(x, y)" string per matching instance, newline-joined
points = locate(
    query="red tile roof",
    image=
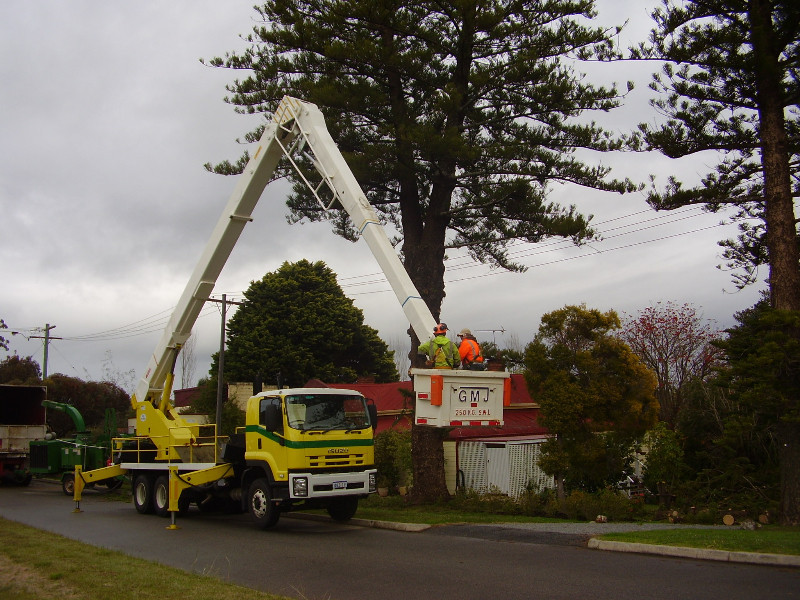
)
(393, 399)
(388, 396)
(395, 403)
(398, 395)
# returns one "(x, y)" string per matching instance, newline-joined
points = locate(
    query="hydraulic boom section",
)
(311, 135)
(151, 398)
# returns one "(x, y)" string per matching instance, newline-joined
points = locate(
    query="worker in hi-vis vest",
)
(470, 351)
(441, 352)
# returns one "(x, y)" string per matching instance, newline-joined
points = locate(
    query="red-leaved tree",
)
(675, 342)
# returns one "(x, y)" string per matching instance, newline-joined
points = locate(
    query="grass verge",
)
(395, 508)
(38, 565)
(770, 540)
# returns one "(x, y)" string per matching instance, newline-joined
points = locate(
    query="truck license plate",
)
(340, 485)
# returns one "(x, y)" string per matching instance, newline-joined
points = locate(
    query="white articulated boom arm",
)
(313, 135)
(296, 124)
(235, 216)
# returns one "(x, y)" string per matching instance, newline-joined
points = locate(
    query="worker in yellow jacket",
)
(441, 352)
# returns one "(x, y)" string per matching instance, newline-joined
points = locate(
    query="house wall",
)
(240, 393)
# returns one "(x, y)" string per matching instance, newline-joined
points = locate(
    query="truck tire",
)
(343, 509)
(68, 483)
(143, 494)
(259, 503)
(161, 496)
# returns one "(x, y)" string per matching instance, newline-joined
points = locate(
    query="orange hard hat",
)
(440, 328)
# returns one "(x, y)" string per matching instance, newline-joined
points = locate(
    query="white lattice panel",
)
(518, 469)
(472, 463)
(525, 471)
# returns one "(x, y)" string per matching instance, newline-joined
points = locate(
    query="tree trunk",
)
(561, 494)
(781, 233)
(427, 453)
(424, 260)
(788, 436)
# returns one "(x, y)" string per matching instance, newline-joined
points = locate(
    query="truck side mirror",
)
(273, 420)
(372, 411)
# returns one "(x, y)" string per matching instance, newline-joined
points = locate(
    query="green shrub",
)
(578, 505)
(617, 506)
(581, 505)
(393, 458)
(535, 503)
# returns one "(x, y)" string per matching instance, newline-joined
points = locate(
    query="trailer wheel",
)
(68, 483)
(343, 509)
(161, 496)
(259, 502)
(143, 494)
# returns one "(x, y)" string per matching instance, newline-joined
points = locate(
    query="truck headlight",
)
(300, 487)
(373, 486)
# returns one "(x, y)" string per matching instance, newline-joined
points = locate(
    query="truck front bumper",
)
(326, 485)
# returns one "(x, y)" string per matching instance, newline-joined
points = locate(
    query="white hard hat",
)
(465, 331)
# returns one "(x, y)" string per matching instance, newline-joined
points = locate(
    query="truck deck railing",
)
(203, 446)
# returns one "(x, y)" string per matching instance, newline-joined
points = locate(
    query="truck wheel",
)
(343, 509)
(143, 494)
(68, 483)
(259, 502)
(161, 496)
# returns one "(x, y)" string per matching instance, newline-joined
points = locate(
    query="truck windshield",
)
(323, 412)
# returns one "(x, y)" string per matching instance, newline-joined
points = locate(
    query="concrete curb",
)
(409, 527)
(754, 558)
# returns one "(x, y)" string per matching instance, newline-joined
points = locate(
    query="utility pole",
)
(46, 337)
(221, 363)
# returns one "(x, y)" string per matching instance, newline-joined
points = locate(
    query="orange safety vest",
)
(470, 351)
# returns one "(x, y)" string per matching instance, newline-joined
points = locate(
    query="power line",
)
(555, 245)
(158, 321)
(127, 331)
(603, 251)
(144, 325)
(561, 246)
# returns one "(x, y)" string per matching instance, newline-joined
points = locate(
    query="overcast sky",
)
(107, 117)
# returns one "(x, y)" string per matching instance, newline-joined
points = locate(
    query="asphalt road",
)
(317, 560)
